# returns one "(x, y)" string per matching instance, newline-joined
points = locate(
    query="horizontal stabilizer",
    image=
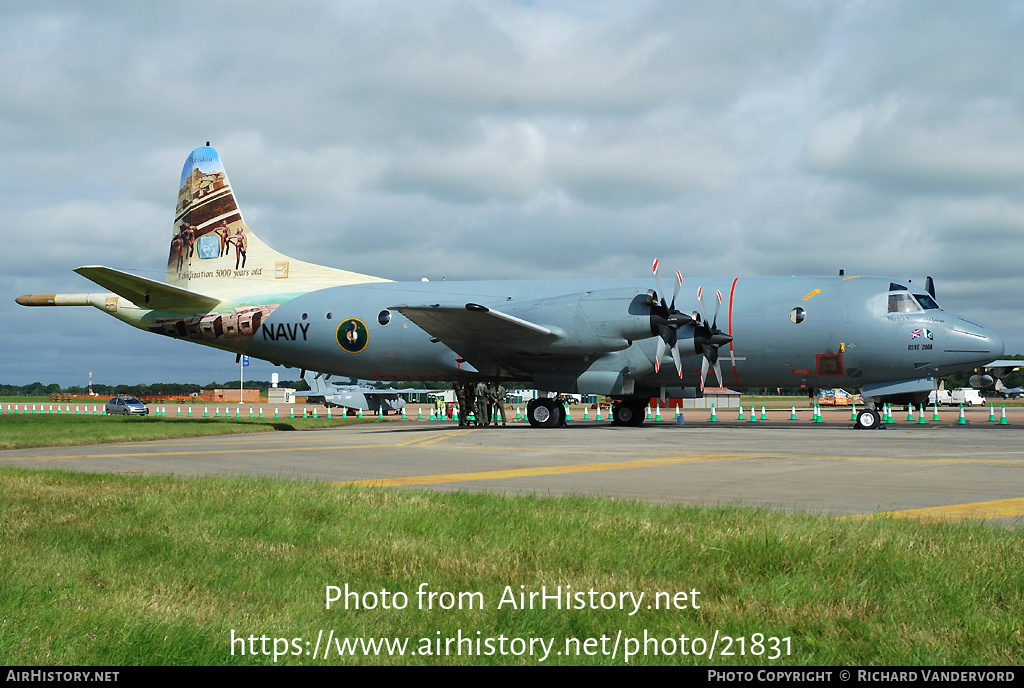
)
(147, 293)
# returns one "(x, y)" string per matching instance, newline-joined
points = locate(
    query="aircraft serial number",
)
(918, 347)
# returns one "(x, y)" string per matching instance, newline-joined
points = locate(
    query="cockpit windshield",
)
(903, 303)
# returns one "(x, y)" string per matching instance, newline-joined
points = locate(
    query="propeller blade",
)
(661, 352)
(700, 300)
(675, 357)
(675, 291)
(718, 307)
(657, 279)
(703, 372)
(718, 373)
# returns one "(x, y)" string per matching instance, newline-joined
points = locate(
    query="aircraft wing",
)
(1002, 367)
(489, 339)
(145, 292)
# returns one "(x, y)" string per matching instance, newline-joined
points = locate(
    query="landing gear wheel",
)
(628, 413)
(544, 413)
(868, 420)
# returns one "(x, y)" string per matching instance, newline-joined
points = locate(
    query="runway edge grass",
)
(120, 570)
(27, 430)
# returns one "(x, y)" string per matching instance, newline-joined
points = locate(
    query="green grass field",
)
(105, 569)
(108, 569)
(21, 431)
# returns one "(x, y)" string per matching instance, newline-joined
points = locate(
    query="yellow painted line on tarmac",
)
(430, 439)
(910, 459)
(418, 441)
(539, 470)
(766, 456)
(1000, 508)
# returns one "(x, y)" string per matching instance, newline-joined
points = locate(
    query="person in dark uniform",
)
(499, 404)
(482, 404)
(460, 395)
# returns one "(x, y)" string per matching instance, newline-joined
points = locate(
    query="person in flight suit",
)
(498, 403)
(483, 416)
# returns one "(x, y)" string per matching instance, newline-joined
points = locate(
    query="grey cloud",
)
(514, 140)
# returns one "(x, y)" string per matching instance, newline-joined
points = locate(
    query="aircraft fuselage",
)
(844, 335)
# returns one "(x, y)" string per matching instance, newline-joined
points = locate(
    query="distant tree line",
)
(173, 389)
(38, 389)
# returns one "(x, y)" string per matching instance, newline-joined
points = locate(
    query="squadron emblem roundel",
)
(352, 335)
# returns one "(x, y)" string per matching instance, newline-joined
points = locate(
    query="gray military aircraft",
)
(355, 397)
(227, 289)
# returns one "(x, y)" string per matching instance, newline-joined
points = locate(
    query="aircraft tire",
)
(543, 413)
(627, 413)
(868, 420)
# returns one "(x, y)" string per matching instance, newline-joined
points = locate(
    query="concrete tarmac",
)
(934, 471)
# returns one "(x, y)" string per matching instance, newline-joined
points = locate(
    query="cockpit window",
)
(896, 287)
(902, 303)
(927, 302)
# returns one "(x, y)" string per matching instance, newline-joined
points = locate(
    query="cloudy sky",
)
(508, 140)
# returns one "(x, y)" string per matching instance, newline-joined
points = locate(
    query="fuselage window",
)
(384, 317)
(797, 315)
(902, 303)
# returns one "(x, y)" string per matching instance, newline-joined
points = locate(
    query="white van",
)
(939, 397)
(967, 396)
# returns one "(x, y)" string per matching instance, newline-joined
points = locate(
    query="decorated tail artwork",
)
(212, 249)
(222, 281)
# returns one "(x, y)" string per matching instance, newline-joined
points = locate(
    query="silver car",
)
(125, 406)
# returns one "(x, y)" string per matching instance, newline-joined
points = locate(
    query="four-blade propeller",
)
(668, 321)
(706, 339)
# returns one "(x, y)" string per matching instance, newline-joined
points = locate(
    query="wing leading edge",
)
(489, 339)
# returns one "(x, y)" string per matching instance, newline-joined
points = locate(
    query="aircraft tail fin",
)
(213, 250)
(317, 383)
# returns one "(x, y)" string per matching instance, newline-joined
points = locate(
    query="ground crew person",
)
(483, 416)
(499, 404)
(460, 394)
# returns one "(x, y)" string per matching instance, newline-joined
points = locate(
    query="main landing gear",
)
(628, 412)
(545, 412)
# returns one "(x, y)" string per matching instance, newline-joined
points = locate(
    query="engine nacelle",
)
(981, 381)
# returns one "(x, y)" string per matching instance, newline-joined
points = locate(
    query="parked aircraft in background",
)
(1008, 392)
(355, 397)
(225, 288)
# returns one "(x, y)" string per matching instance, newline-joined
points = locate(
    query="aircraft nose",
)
(974, 342)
